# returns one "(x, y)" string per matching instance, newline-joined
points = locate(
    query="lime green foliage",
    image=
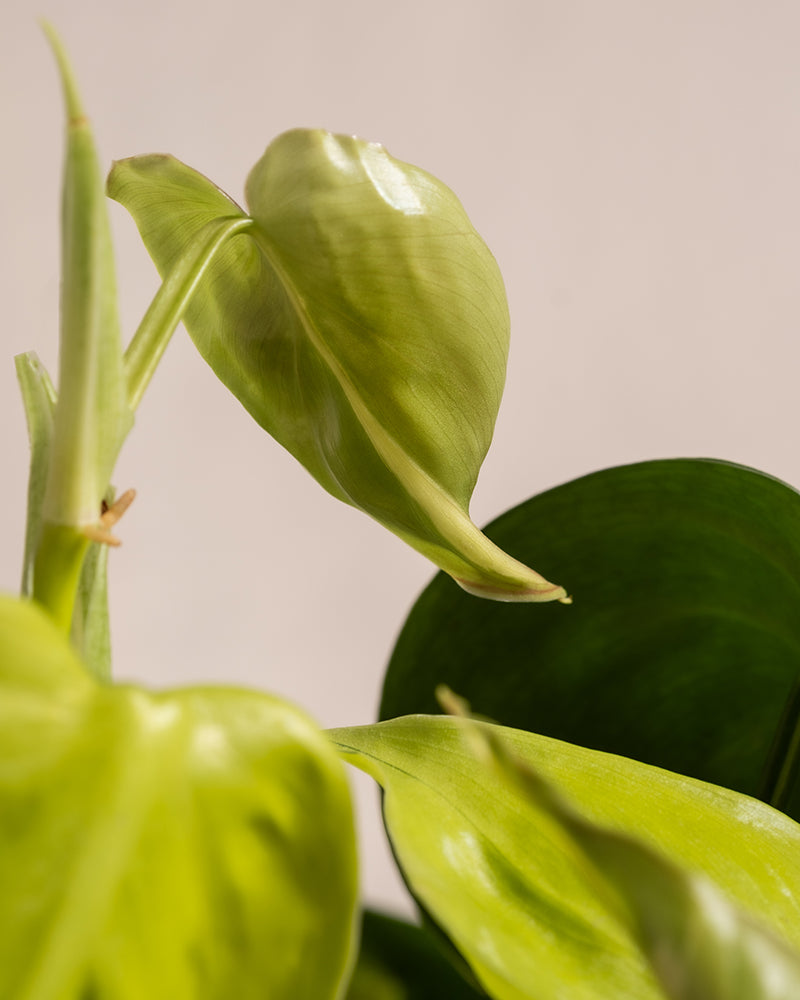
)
(364, 324)
(508, 884)
(683, 644)
(699, 945)
(193, 844)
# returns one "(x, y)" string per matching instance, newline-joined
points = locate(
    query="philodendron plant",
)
(629, 831)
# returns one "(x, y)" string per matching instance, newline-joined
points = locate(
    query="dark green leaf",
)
(400, 961)
(683, 642)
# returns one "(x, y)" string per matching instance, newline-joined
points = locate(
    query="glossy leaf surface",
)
(362, 321)
(195, 844)
(683, 642)
(515, 892)
(401, 961)
(698, 943)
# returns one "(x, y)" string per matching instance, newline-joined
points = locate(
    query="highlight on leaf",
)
(522, 893)
(697, 941)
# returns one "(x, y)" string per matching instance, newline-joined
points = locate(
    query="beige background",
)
(634, 167)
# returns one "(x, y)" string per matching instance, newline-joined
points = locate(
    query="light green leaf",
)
(92, 415)
(363, 323)
(511, 888)
(700, 946)
(189, 845)
(39, 400)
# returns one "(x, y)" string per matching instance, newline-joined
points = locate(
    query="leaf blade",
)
(700, 946)
(365, 334)
(168, 845)
(682, 645)
(515, 895)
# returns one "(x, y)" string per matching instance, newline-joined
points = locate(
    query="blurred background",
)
(634, 168)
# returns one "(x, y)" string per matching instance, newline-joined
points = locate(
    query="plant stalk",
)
(171, 301)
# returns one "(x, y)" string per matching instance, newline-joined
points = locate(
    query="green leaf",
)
(400, 961)
(682, 646)
(514, 891)
(363, 323)
(186, 844)
(699, 945)
(92, 417)
(39, 400)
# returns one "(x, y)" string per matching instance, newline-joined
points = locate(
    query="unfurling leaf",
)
(185, 844)
(76, 433)
(92, 416)
(510, 882)
(362, 321)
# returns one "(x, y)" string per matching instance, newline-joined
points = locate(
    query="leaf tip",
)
(531, 592)
(69, 86)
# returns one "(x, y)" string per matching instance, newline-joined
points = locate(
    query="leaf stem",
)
(57, 570)
(171, 301)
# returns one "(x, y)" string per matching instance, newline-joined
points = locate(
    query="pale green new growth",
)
(364, 325)
(91, 416)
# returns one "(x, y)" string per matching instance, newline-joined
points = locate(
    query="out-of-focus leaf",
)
(187, 844)
(700, 946)
(39, 400)
(400, 961)
(362, 322)
(682, 646)
(509, 886)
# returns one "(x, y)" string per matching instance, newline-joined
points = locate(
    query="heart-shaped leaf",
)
(514, 890)
(682, 646)
(362, 321)
(190, 844)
